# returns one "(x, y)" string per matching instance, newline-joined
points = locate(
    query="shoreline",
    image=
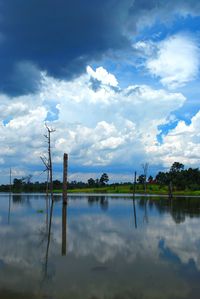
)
(73, 193)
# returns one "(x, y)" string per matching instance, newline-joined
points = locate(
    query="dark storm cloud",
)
(59, 37)
(62, 36)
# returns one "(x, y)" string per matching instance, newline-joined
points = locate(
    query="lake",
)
(99, 247)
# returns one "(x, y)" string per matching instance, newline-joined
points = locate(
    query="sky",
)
(118, 80)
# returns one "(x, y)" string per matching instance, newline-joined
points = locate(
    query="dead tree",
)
(48, 136)
(145, 167)
(134, 183)
(10, 187)
(65, 165)
(10, 195)
(47, 161)
(46, 164)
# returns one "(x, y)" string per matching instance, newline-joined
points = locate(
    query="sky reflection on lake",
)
(115, 248)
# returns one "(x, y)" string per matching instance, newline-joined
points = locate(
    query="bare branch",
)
(45, 162)
(50, 130)
(43, 172)
(145, 167)
(48, 162)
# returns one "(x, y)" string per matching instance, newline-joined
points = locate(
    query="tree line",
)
(179, 177)
(24, 184)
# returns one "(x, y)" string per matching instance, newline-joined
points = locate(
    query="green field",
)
(151, 189)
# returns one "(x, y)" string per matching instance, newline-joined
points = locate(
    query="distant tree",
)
(180, 178)
(91, 182)
(97, 183)
(57, 184)
(176, 175)
(17, 184)
(176, 167)
(141, 179)
(150, 179)
(192, 176)
(104, 179)
(162, 178)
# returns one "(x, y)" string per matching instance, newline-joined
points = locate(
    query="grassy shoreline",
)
(152, 189)
(128, 189)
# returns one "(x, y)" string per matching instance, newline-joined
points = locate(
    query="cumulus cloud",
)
(103, 76)
(180, 144)
(22, 121)
(177, 61)
(106, 127)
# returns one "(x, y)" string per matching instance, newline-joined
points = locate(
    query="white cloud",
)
(145, 48)
(102, 127)
(29, 119)
(117, 128)
(103, 76)
(175, 60)
(180, 144)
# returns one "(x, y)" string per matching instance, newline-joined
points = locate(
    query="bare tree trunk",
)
(49, 187)
(145, 167)
(65, 165)
(9, 207)
(10, 180)
(47, 184)
(134, 185)
(47, 201)
(50, 163)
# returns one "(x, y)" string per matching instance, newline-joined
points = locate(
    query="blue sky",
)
(118, 80)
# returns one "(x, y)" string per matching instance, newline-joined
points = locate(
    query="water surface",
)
(108, 247)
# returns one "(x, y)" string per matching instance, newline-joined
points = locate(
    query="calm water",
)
(107, 248)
